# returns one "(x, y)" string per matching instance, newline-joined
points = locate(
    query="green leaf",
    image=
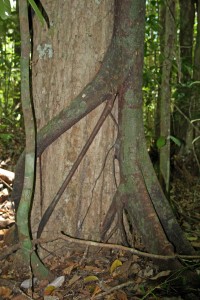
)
(91, 278)
(117, 263)
(5, 9)
(6, 136)
(175, 140)
(161, 141)
(37, 11)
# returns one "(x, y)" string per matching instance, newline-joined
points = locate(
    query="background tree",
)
(187, 109)
(165, 90)
(196, 92)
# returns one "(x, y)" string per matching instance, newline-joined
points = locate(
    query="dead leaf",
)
(90, 278)
(135, 258)
(123, 269)
(115, 265)
(26, 284)
(69, 269)
(48, 290)
(161, 274)
(6, 175)
(73, 279)
(93, 269)
(120, 295)
(19, 297)
(5, 292)
(110, 297)
(147, 272)
(51, 298)
(96, 291)
(135, 268)
(57, 282)
(104, 286)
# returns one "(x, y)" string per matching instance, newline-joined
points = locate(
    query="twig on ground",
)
(124, 248)
(115, 288)
(10, 250)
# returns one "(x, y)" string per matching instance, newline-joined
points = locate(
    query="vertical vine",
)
(28, 256)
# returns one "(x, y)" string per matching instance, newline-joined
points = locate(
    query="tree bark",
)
(139, 192)
(182, 128)
(165, 100)
(196, 89)
(65, 59)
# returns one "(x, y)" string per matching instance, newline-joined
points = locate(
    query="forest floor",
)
(113, 274)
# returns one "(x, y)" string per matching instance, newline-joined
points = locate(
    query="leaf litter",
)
(107, 274)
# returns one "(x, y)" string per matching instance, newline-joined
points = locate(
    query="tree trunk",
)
(162, 14)
(165, 105)
(196, 90)
(139, 193)
(183, 130)
(62, 65)
(65, 58)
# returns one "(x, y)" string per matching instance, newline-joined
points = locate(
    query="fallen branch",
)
(11, 249)
(124, 248)
(115, 288)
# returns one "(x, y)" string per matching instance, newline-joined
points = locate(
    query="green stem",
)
(28, 255)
